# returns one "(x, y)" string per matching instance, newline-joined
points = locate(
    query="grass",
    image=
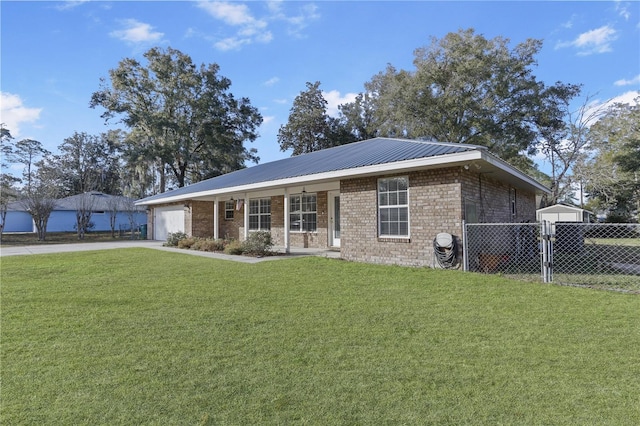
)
(31, 238)
(138, 336)
(627, 242)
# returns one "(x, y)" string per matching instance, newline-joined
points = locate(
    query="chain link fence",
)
(583, 254)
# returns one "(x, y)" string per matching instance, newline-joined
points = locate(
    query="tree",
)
(358, 117)
(464, 89)
(564, 142)
(26, 152)
(85, 163)
(310, 128)
(181, 116)
(39, 202)
(113, 205)
(609, 174)
(308, 125)
(8, 191)
(84, 210)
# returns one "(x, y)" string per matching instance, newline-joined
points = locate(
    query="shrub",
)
(234, 247)
(198, 244)
(258, 243)
(187, 243)
(173, 238)
(218, 245)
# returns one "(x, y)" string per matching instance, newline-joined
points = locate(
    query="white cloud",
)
(334, 99)
(251, 29)
(13, 113)
(596, 109)
(271, 81)
(623, 9)
(70, 4)
(136, 32)
(237, 15)
(594, 41)
(231, 13)
(230, 43)
(569, 23)
(629, 98)
(297, 22)
(268, 119)
(624, 82)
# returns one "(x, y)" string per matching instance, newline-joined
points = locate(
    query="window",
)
(512, 199)
(393, 207)
(228, 210)
(303, 215)
(260, 214)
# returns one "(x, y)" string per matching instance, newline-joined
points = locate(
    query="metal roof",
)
(370, 152)
(98, 201)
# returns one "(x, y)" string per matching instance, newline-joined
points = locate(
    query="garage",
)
(167, 220)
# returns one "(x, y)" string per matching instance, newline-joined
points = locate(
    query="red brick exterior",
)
(436, 204)
(439, 200)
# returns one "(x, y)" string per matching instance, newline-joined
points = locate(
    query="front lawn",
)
(139, 336)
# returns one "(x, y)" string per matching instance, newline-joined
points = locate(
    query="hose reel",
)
(445, 250)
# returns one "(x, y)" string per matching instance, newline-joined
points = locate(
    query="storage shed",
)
(563, 213)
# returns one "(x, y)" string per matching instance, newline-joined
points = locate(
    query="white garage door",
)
(166, 220)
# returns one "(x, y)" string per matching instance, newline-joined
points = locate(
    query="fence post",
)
(465, 260)
(547, 252)
(550, 266)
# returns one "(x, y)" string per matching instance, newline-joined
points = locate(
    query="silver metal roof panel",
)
(358, 154)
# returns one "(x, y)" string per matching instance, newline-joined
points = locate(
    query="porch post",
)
(286, 221)
(246, 217)
(215, 218)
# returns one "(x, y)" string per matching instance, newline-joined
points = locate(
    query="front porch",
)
(299, 219)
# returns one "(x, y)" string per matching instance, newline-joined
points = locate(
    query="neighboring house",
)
(563, 213)
(17, 220)
(63, 217)
(380, 200)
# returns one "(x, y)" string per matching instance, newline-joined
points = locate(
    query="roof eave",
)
(506, 167)
(447, 160)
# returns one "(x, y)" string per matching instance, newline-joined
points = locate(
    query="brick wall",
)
(201, 219)
(234, 229)
(437, 200)
(492, 200)
(316, 239)
(229, 229)
(434, 206)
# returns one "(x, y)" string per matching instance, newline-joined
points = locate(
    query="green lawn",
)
(139, 336)
(31, 238)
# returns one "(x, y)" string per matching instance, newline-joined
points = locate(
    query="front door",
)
(334, 219)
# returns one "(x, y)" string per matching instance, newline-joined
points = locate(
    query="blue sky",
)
(54, 53)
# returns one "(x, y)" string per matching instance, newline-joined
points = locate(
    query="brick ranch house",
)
(381, 200)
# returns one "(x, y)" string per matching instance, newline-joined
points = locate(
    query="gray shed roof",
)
(354, 156)
(99, 201)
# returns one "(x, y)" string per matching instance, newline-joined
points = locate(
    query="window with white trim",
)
(229, 206)
(260, 214)
(393, 207)
(303, 216)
